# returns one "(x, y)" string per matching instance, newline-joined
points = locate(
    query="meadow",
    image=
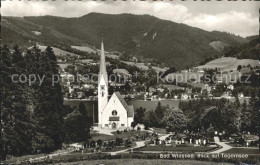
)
(57, 51)
(151, 105)
(229, 63)
(88, 49)
(85, 49)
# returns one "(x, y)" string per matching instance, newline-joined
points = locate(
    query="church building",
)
(113, 113)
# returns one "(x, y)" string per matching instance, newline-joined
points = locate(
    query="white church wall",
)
(114, 104)
(129, 121)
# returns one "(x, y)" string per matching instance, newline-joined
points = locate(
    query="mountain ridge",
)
(174, 44)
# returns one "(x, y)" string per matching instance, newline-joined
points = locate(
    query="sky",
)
(237, 17)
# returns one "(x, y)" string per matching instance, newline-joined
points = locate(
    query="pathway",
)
(139, 144)
(59, 152)
(163, 137)
(224, 146)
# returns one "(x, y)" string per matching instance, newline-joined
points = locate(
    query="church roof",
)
(129, 108)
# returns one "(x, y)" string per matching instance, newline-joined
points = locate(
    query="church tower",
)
(102, 85)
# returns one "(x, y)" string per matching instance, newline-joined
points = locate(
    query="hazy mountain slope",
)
(20, 31)
(117, 28)
(250, 38)
(175, 44)
(178, 44)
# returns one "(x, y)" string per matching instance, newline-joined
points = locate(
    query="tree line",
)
(173, 119)
(211, 115)
(34, 119)
(204, 116)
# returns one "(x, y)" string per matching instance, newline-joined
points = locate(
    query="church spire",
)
(102, 69)
(102, 59)
(102, 84)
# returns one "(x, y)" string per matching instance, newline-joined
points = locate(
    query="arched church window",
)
(114, 112)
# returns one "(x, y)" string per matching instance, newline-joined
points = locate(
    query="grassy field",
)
(84, 49)
(145, 162)
(139, 65)
(22, 158)
(172, 87)
(183, 77)
(91, 50)
(160, 130)
(142, 66)
(243, 151)
(57, 51)
(229, 63)
(63, 66)
(151, 105)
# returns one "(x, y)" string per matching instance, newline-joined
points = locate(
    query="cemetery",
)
(179, 143)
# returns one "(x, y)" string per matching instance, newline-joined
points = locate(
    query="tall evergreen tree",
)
(32, 117)
(7, 133)
(159, 113)
(50, 102)
(139, 115)
(16, 118)
(77, 125)
(253, 107)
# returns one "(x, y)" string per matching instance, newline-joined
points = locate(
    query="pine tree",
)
(159, 114)
(253, 107)
(7, 118)
(49, 102)
(245, 117)
(32, 116)
(17, 118)
(139, 115)
(77, 125)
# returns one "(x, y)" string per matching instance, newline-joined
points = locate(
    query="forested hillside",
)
(141, 35)
(249, 50)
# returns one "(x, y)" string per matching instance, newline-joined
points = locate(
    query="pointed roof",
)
(128, 108)
(102, 69)
(102, 60)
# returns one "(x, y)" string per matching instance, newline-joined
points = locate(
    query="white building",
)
(113, 113)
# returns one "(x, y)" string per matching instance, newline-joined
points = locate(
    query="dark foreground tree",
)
(32, 118)
(175, 120)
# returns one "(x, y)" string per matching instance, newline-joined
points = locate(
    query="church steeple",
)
(102, 69)
(102, 84)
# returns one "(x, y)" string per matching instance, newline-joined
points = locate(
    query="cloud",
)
(243, 24)
(238, 22)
